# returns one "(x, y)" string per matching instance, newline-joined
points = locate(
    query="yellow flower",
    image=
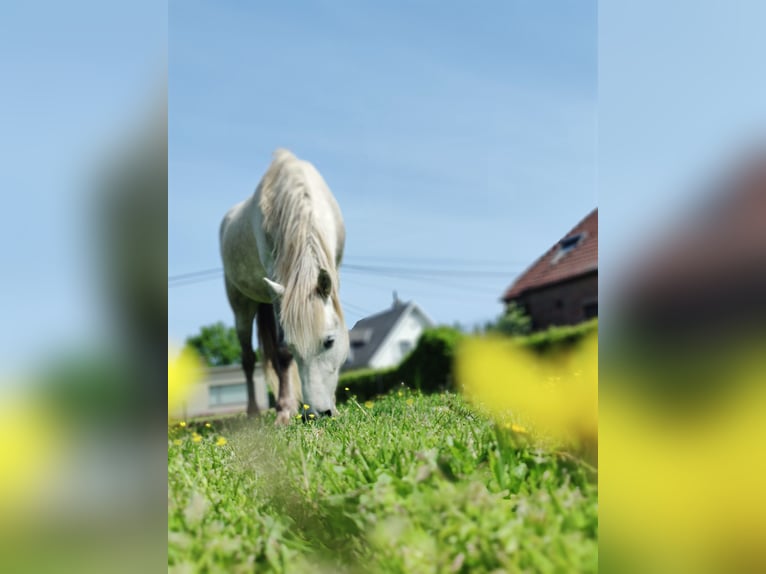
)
(305, 407)
(177, 442)
(196, 437)
(369, 404)
(400, 393)
(221, 441)
(409, 402)
(311, 416)
(518, 428)
(208, 425)
(505, 376)
(346, 388)
(298, 416)
(31, 449)
(183, 372)
(702, 520)
(182, 424)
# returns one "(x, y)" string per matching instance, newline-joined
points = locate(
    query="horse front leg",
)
(277, 354)
(286, 404)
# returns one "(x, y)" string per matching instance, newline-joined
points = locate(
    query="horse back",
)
(242, 262)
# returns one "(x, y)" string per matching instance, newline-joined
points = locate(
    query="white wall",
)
(226, 387)
(407, 330)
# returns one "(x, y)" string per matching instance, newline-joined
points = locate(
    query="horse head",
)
(316, 337)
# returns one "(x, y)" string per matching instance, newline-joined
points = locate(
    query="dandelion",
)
(518, 428)
(346, 388)
(506, 376)
(177, 442)
(221, 441)
(30, 451)
(409, 402)
(400, 393)
(208, 425)
(305, 407)
(182, 424)
(311, 415)
(369, 404)
(298, 416)
(184, 371)
(196, 437)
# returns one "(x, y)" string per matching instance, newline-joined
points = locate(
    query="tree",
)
(514, 321)
(217, 344)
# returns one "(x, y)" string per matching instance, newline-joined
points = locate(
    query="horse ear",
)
(324, 284)
(276, 289)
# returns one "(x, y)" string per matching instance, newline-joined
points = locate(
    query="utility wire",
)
(396, 272)
(423, 271)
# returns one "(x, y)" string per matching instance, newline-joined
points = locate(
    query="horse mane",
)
(299, 251)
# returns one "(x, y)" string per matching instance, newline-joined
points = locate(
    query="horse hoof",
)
(283, 418)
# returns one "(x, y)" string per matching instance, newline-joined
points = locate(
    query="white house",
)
(384, 339)
(223, 391)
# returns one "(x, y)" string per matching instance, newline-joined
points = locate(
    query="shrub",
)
(513, 322)
(557, 337)
(367, 383)
(428, 367)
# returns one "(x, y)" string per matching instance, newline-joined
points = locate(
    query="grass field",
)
(407, 483)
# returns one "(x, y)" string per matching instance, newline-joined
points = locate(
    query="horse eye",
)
(328, 343)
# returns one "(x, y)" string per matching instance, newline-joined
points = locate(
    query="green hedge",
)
(366, 383)
(428, 368)
(558, 337)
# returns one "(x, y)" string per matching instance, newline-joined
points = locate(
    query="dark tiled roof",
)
(369, 333)
(556, 265)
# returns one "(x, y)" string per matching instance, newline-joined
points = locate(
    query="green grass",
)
(413, 484)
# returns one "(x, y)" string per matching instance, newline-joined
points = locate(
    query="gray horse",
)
(281, 250)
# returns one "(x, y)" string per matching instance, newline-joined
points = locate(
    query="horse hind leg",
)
(245, 335)
(276, 353)
(244, 313)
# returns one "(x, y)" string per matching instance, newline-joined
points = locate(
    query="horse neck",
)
(301, 313)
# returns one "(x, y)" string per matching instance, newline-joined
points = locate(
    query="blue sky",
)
(454, 136)
(682, 91)
(74, 82)
(449, 134)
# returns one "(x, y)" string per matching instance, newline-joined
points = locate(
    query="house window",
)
(569, 243)
(222, 395)
(566, 245)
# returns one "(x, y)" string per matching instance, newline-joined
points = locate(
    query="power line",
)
(435, 260)
(422, 271)
(397, 272)
(430, 281)
(215, 271)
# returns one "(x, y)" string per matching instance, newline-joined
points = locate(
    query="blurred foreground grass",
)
(407, 483)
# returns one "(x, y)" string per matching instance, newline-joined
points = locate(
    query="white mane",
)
(300, 248)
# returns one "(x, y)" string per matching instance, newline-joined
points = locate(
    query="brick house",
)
(561, 287)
